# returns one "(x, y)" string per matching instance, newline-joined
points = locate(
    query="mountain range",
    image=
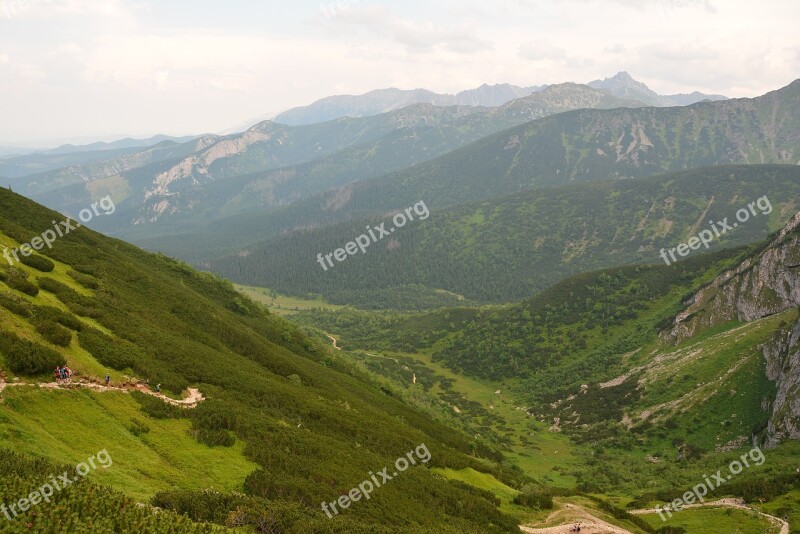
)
(598, 307)
(572, 147)
(272, 165)
(38, 161)
(621, 85)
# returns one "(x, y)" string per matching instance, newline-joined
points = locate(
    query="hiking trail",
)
(729, 503)
(333, 340)
(572, 514)
(192, 399)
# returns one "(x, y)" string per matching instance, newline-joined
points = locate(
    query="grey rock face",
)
(760, 286)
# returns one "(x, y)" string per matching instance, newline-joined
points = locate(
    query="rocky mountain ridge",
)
(760, 286)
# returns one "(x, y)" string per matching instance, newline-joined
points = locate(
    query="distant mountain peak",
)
(622, 79)
(623, 85)
(623, 75)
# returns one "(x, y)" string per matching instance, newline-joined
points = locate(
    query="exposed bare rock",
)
(783, 367)
(758, 287)
(763, 285)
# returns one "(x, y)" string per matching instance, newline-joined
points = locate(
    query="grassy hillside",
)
(274, 165)
(590, 145)
(510, 248)
(577, 146)
(285, 421)
(578, 388)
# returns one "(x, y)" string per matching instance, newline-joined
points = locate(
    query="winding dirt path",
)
(333, 340)
(571, 515)
(739, 504)
(192, 399)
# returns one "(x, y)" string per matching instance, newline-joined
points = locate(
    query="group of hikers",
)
(575, 528)
(63, 374)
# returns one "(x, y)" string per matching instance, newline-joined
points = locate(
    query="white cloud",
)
(165, 67)
(541, 50)
(48, 9)
(661, 5)
(417, 36)
(67, 50)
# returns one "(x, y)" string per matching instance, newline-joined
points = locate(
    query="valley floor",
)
(549, 455)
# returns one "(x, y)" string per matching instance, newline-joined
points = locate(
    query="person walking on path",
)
(108, 380)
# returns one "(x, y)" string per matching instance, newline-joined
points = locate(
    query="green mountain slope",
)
(585, 384)
(39, 161)
(285, 424)
(169, 168)
(512, 247)
(590, 145)
(273, 165)
(571, 147)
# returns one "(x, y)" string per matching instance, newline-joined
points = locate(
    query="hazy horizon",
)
(77, 70)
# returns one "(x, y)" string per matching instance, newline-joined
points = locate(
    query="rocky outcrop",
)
(763, 285)
(783, 367)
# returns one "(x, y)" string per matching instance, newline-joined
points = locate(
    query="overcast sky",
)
(72, 69)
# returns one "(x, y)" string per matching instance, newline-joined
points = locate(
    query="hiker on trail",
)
(158, 388)
(57, 375)
(108, 379)
(68, 374)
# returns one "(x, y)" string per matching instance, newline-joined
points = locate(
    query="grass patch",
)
(70, 426)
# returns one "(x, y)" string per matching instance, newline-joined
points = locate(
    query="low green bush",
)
(40, 263)
(54, 333)
(87, 281)
(27, 357)
(77, 303)
(156, 408)
(16, 304)
(61, 317)
(18, 279)
(114, 353)
(138, 427)
(538, 498)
